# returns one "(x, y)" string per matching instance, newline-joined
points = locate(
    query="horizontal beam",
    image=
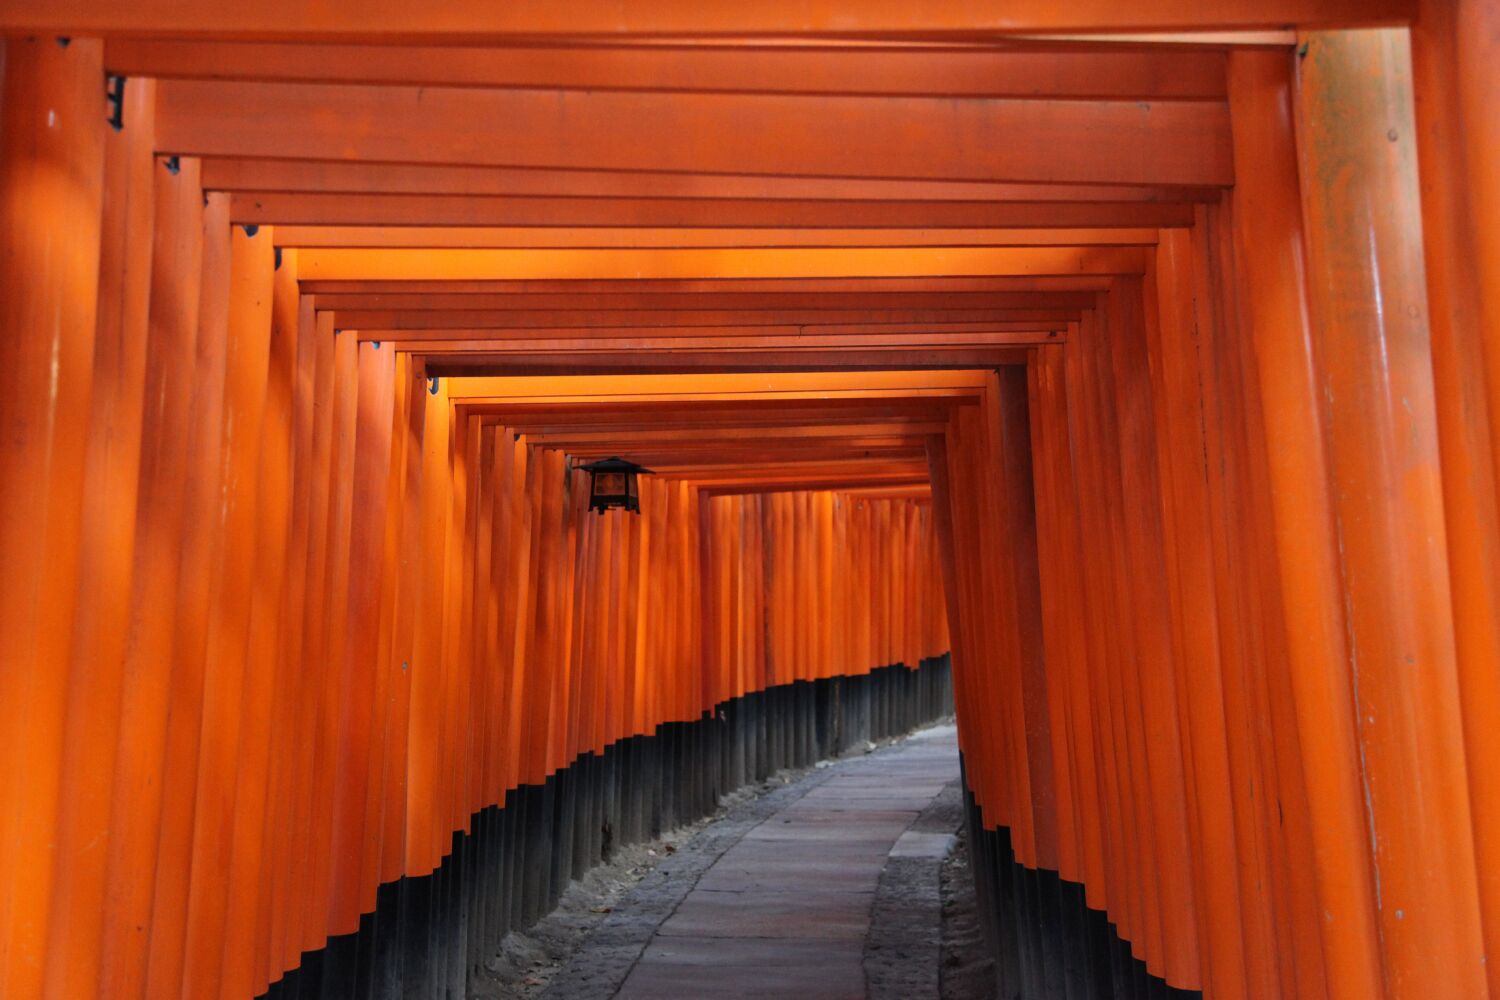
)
(707, 300)
(667, 388)
(514, 416)
(1123, 142)
(925, 401)
(914, 485)
(664, 320)
(751, 458)
(731, 451)
(333, 177)
(775, 421)
(791, 468)
(631, 238)
(586, 339)
(478, 265)
(435, 210)
(730, 436)
(734, 450)
(730, 446)
(468, 20)
(934, 284)
(1180, 41)
(667, 362)
(945, 72)
(778, 413)
(754, 481)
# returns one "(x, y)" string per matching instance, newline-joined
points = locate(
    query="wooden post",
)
(107, 544)
(1374, 372)
(1270, 267)
(1456, 64)
(51, 186)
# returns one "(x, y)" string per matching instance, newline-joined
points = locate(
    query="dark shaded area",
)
(903, 952)
(968, 966)
(1047, 943)
(428, 934)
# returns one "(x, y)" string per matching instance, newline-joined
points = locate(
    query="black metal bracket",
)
(276, 254)
(173, 165)
(114, 99)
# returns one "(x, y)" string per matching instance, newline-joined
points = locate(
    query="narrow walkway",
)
(792, 901)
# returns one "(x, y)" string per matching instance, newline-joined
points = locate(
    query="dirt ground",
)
(968, 971)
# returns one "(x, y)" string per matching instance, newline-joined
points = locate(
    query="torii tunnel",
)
(1125, 376)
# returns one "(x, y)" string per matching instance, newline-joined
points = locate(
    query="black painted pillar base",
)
(1047, 943)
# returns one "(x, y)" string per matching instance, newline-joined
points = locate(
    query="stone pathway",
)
(779, 903)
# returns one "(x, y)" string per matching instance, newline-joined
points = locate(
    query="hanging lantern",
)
(612, 483)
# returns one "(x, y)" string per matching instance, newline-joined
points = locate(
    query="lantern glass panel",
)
(609, 484)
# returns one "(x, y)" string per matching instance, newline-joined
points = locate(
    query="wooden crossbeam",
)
(758, 479)
(713, 339)
(445, 321)
(479, 265)
(1124, 142)
(736, 432)
(474, 20)
(644, 239)
(730, 435)
(584, 339)
(718, 460)
(664, 362)
(948, 71)
(302, 209)
(334, 176)
(491, 391)
(850, 284)
(890, 486)
(621, 300)
(419, 237)
(781, 418)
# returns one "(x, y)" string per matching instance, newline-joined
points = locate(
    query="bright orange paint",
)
(1146, 365)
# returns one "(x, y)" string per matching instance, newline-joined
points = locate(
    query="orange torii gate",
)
(1141, 355)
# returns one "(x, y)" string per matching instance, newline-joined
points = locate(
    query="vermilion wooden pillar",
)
(1012, 435)
(1055, 543)
(1235, 513)
(224, 725)
(1270, 266)
(361, 622)
(272, 503)
(202, 402)
(1374, 373)
(151, 712)
(1456, 63)
(51, 182)
(107, 526)
(1184, 463)
(1157, 665)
